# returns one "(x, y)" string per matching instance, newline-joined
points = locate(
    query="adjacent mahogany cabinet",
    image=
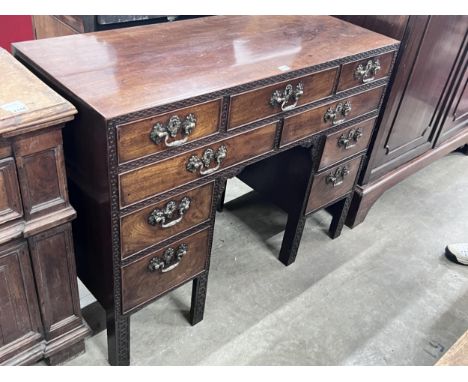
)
(40, 315)
(425, 113)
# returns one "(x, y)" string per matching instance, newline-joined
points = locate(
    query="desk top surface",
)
(121, 71)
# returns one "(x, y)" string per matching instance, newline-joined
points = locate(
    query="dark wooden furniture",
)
(39, 305)
(164, 122)
(60, 25)
(426, 110)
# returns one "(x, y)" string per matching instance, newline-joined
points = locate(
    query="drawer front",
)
(346, 142)
(332, 184)
(361, 72)
(313, 121)
(153, 135)
(161, 271)
(185, 168)
(257, 104)
(158, 222)
(10, 200)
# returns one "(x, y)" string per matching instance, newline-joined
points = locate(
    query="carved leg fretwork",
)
(118, 339)
(197, 308)
(292, 237)
(222, 196)
(339, 213)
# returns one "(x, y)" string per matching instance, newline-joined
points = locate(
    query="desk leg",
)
(339, 213)
(292, 237)
(197, 308)
(118, 339)
(220, 204)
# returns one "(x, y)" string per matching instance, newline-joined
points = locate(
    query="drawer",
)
(360, 72)
(346, 142)
(160, 221)
(257, 104)
(185, 168)
(161, 271)
(313, 121)
(330, 185)
(10, 199)
(159, 133)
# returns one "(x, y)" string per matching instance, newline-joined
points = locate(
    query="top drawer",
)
(159, 133)
(361, 72)
(270, 100)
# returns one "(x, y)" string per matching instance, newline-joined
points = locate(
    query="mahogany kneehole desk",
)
(168, 112)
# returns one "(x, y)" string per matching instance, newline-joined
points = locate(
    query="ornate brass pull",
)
(342, 109)
(337, 177)
(367, 73)
(282, 98)
(170, 259)
(160, 216)
(349, 140)
(171, 130)
(202, 164)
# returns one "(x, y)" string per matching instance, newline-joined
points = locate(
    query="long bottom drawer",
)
(163, 270)
(331, 184)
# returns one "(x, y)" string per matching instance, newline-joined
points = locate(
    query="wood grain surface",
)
(176, 61)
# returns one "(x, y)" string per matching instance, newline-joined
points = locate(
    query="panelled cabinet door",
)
(456, 117)
(10, 202)
(410, 118)
(19, 311)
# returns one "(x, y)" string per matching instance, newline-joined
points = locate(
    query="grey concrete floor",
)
(381, 294)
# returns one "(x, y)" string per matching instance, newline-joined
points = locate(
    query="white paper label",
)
(14, 107)
(284, 68)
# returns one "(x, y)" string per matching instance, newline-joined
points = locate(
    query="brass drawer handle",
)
(367, 73)
(342, 109)
(173, 127)
(347, 141)
(336, 178)
(282, 98)
(202, 164)
(170, 259)
(160, 216)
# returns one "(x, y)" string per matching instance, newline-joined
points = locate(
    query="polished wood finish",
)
(123, 81)
(323, 192)
(348, 80)
(424, 107)
(137, 234)
(142, 183)
(140, 285)
(254, 105)
(334, 152)
(10, 199)
(39, 269)
(170, 70)
(133, 138)
(20, 321)
(312, 122)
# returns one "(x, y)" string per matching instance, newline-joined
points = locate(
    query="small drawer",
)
(330, 185)
(159, 177)
(313, 121)
(270, 100)
(361, 72)
(162, 132)
(161, 271)
(10, 200)
(346, 142)
(158, 222)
